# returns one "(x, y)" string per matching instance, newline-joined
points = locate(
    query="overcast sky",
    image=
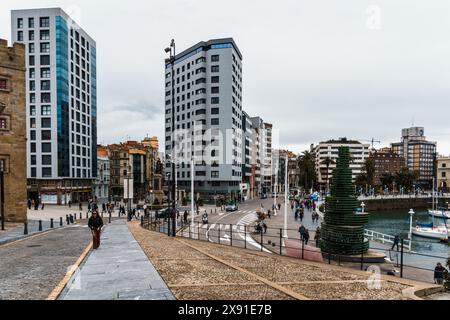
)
(315, 69)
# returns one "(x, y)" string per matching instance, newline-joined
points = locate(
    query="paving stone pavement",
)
(118, 270)
(17, 232)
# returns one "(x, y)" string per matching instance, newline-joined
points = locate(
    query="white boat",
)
(440, 232)
(439, 214)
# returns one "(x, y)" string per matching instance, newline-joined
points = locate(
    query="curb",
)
(56, 292)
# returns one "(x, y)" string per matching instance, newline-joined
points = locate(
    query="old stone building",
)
(13, 130)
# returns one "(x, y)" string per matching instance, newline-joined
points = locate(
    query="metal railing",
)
(271, 240)
(385, 238)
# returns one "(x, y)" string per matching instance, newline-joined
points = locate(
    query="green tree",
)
(328, 162)
(405, 177)
(387, 179)
(307, 168)
(369, 168)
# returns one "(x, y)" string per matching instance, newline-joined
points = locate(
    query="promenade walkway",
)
(118, 270)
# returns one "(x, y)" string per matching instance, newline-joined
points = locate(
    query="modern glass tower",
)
(61, 87)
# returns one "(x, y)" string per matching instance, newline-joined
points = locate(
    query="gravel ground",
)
(192, 274)
(31, 268)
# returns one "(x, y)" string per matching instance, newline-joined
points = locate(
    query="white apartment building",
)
(330, 149)
(263, 141)
(61, 102)
(207, 108)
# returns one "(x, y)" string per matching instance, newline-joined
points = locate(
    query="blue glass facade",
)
(62, 79)
(94, 110)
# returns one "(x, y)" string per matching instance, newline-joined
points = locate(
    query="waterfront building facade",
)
(12, 132)
(419, 154)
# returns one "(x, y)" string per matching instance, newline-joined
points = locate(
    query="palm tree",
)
(327, 162)
(306, 165)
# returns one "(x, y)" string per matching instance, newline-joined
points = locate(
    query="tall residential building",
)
(248, 180)
(61, 103)
(268, 171)
(418, 153)
(12, 131)
(256, 150)
(330, 149)
(443, 173)
(386, 161)
(207, 107)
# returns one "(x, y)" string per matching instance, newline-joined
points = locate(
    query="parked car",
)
(165, 213)
(231, 207)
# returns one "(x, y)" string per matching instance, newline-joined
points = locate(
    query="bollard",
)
(51, 223)
(401, 261)
(25, 228)
(40, 225)
(142, 221)
(87, 216)
(75, 216)
(219, 233)
(262, 240)
(67, 219)
(303, 249)
(110, 218)
(60, 222)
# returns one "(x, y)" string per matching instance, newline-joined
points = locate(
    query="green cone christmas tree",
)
(343, 228)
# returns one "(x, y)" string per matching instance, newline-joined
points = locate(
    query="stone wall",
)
(393, 204)
(13, 138)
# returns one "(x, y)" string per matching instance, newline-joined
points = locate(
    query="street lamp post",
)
(171, 51)
(411, 213)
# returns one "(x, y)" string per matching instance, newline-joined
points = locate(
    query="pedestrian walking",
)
(265, 227)
(89, 206)
(439, 274)
(185, 216)
(95, 223)
(269, 214)
(302, 215)
(296, 214)
(279, 206)
(317, 236)
(29, 204)
(306, 236)
(80, 206)
(103, 207)
(301, 230)
(43, 206)
(70, 204)
(396, 242)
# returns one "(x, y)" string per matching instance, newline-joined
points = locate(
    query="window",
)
(31, 48)
(46, 172)
(32, 73)
(443, 173)
(3, 124)
(32, 122)
(215, 122)
(46, 135)
(45, 60)
(30, 22)
(214, 89)
(20, 23)
(19, 35)
(214, 174)
(200, 111)
(32, 135)
(215, 58)
(33, 172)
(45, 47)
(215, 100)
(46, 147)
(214, 68)
(32, 98)
(214, 79)
(45, 98)
(45, 110)
(214, 110)
(33, 160)
(31, 60)
(31, 35)
(46, 123)
(45, 34)
(47, 160)
(3, 84)
(45, 73)
(45, 85)
(32, 85)
(45, 22)
(33, 147)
